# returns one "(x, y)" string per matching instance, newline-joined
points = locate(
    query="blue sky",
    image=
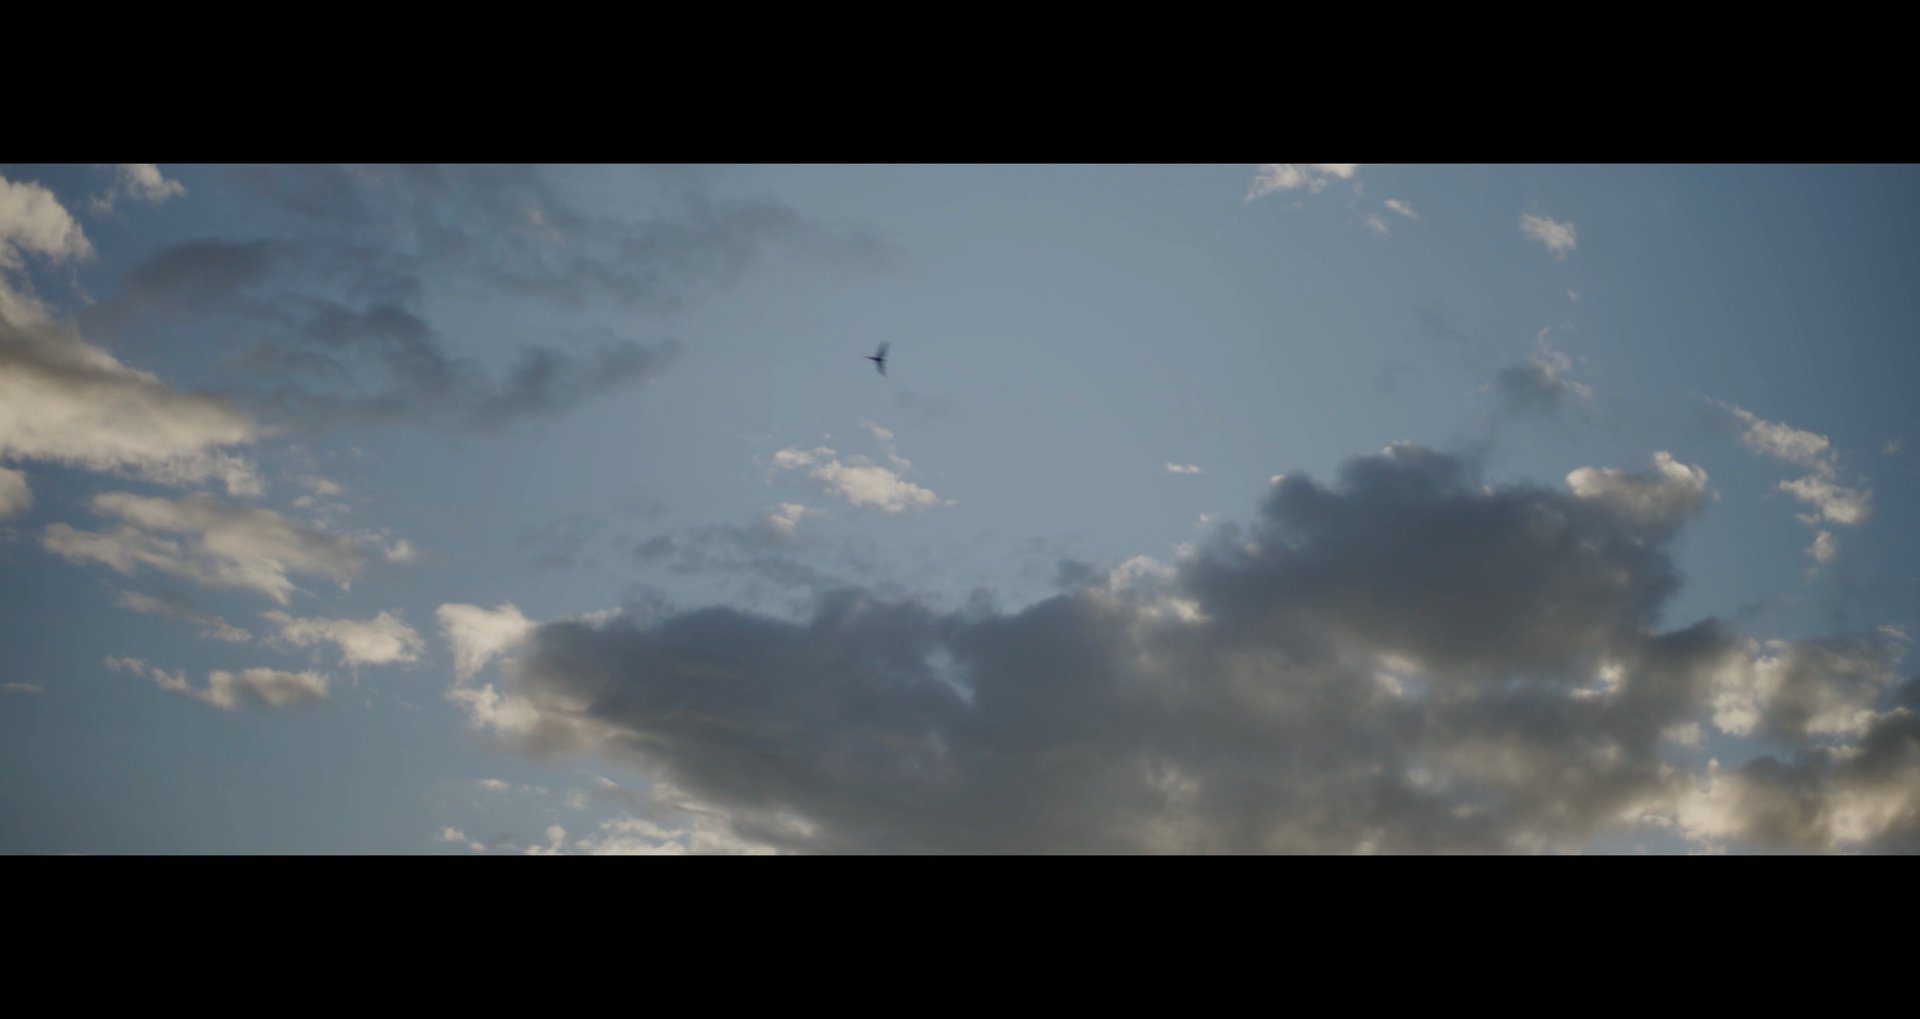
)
(1299, 507)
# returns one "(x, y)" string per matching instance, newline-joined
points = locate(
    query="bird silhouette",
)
(880, 360)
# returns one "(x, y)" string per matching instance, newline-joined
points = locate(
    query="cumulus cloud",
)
(1559, 238)
(139, 182)
(1539, 385)
(15, 495)
(200, 539)
(1402, 208)
(1407, 660)
(32, 221)
(1790, 692)
(1270, 178)
(175, 606)
(478, 635)
(383, 640)
(230, 690)
(68, 401)
(1673, 493)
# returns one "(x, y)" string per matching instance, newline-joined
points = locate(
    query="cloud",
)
(140, 182)
(383, 640)
(32, 221)
(478, 635)
(1780, 441)
(787, 520)
(1672, 494)
(1402, 208)
(452, 834)
(220, 545)
(1270, 178)
(1539, 385)
(15, 495)
(65, 400)
(1556, 236)
(1823, 549)
(1174, 468)
(25, 689)
(230, 690)
(1406, 660)
(1790, 692)
(858, 480)
(1832, 503)
(1892, 447)
(336, 298)
(176, 606)
(1376, 224)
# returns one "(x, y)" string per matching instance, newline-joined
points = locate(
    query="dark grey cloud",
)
(329, 308)
(1406, 660)
(517, 228)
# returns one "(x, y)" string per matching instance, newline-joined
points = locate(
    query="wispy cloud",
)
(383, 640)
(1174, 468)
(1270, 178)
(230, 690)
(1559, 238)
(1402, 208)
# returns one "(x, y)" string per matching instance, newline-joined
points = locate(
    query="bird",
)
(880, 360)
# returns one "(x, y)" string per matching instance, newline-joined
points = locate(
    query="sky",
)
(1290, 508)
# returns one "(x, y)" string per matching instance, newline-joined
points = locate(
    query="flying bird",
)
(880, 360)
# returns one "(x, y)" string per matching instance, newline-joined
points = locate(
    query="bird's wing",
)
(883, 350)
(880, 363)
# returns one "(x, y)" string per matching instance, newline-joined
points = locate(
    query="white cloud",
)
(33, 221)
(1174, 468)
(1832, 503)
(15, 495)
(1893, 446)
(229, 690)
(1402, 208)
(1822, 550)
(65, 400)
(224, 545)
(858, 480)
(1376, 224)
(479, 635)
(1558, 237)
(140, 182)
(873, 485)
(215, 627)
(1273, 177)
(452, 834)
(382, 640)
(787, 520)
(27, 689)
(1673, 493)
(556, 842)
(1782, 441)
